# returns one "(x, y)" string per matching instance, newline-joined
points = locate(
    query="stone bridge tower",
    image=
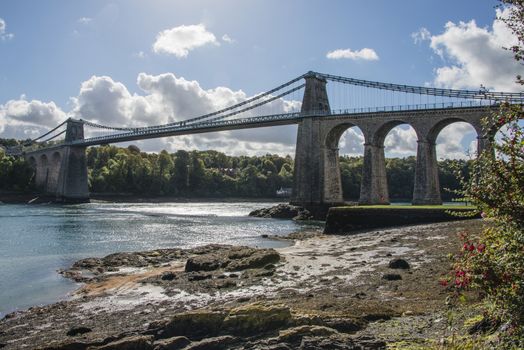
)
(61, 171)
(310, 155)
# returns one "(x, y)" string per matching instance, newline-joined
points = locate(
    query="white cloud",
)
(401, 141)
(32, 112)
(140, 54)
(4, 35)
(421, 35)
(168, 98)
(476, 56)
(226, 38)
(84, 20)
(24, 119)
(165, 98)
(363, 54)
(352, 143)
(457, 141)
(180, 40)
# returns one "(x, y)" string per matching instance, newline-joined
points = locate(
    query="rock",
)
(195, 276)
(139, 342)
(368, 342)
(483, 326)
(256, 318)
(258, 259)
(74, 331)
(174, 343)
(207, 262)
(213, 343)
(279, 346)
(294, 334)
(283, 211)
(320, 343)
(392, 277)
(345, 325)
(167, 276)
(193, 324)
(399, 264)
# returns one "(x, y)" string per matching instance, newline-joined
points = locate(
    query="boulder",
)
(399, 264)
(174, 343)
(257, 259)
(74, 331)
(139, 342)
(392, 277)
(256, 318)
(295, 334)
(215, 343)
(283, 211)
(193, 324)
(206, 262)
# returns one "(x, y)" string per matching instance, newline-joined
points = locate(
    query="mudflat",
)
(365, 290)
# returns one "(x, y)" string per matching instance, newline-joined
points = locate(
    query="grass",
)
(410, 207)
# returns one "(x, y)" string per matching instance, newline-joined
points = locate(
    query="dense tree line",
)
(15, 173)
(212, 173)
(114, 169)
(195, 173)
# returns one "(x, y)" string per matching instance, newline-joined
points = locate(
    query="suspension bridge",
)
(322, 111)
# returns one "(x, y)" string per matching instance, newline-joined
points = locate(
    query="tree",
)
(180, 176)
(494, 262)
(515, 22)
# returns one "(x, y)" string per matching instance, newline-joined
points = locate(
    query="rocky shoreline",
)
(363, 291)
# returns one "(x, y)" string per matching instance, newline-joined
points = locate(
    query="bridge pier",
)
(316, 177)
(426, 189)
(61, 171)
(374, 185)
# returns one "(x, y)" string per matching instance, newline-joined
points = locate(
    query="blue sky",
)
(48, 49)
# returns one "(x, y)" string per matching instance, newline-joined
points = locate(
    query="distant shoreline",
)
(23, 198)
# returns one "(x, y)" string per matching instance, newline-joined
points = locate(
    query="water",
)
(37, 240)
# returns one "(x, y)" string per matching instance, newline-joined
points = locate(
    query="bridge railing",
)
(422, 106)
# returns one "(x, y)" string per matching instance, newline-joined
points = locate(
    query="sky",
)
(136, 63)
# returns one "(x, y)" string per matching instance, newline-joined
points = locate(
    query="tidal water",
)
(37, 240)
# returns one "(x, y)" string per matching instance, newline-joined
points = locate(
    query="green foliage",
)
(401, 176)
(208, 173)
(15, 173)
(212, 173)
(515, 22)
(494, 262)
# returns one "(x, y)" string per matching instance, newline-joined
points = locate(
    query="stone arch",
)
(437, 128)
(374, 189)
(384, 129)
(32, 162)
(42, 172)
(333, 189)
(44, 162)
(54, 172)
(333, 136)
(56, 158)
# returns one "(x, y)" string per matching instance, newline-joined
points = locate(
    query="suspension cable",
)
(54, 137)
(517, 97)
(47, 133)
(257, 97)
(100, 126)
(273, 98)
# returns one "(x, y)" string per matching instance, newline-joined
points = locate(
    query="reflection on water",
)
(37, 240)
